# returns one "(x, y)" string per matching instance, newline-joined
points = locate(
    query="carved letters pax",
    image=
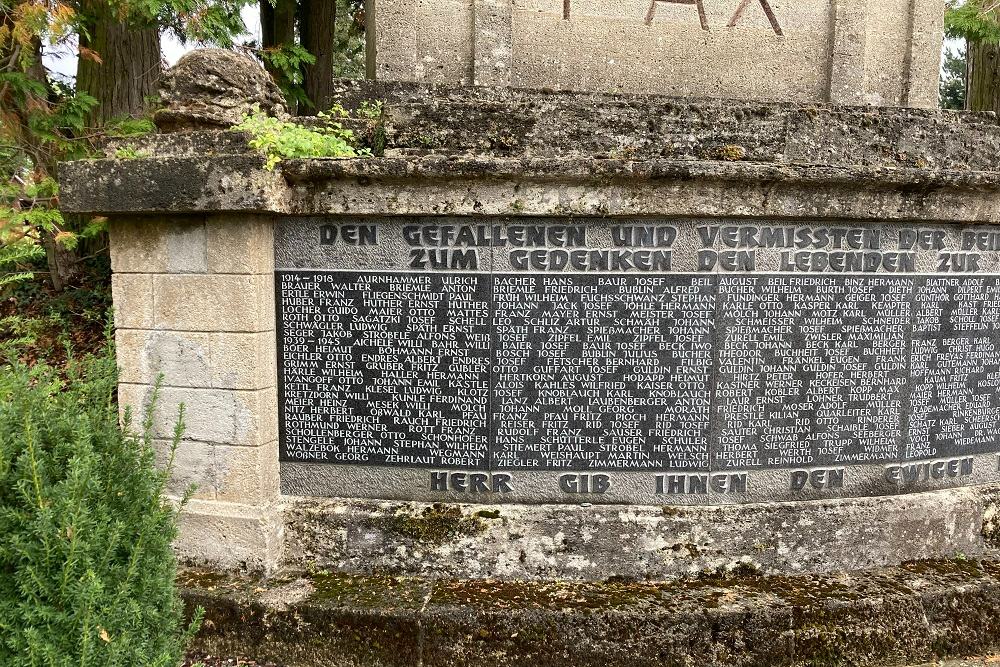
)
(700, 6)
(698, 3)
(767, 10)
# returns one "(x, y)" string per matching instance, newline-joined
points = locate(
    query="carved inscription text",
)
(699, 5)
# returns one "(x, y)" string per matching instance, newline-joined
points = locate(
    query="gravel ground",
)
(219, 661)
(984, 661)
(196, 657)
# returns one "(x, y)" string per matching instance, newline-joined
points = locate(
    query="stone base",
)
(891, 616)
(583, 542)
(230, 536)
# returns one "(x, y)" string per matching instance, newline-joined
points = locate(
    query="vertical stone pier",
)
(194, 306)
(193, 295)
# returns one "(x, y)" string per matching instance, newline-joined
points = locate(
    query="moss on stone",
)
(201, 578)
(960, 565)
(732, 153)
(383, 592)
(731, 572)
(435, 524)
(871, 617)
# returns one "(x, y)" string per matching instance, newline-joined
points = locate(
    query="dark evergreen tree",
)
(307, 43)
(952, 89)
(978, 22)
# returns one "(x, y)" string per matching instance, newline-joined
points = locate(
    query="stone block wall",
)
(878, 52)
(194, 305)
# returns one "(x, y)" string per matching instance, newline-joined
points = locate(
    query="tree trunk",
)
(130, 67)
(120, 66)
(317, 23)
(983, 75)
(62, 263)
(277, 23)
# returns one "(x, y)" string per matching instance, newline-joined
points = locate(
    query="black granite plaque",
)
(695, 357)
(955, 368)
(812, 370)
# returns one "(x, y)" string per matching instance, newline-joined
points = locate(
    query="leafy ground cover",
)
(196, 658)
(41, 324)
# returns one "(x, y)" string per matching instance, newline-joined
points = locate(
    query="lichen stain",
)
(435, 524)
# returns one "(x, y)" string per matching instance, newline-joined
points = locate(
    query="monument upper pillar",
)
(878, 52)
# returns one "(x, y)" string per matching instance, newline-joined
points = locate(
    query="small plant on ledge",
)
(279, 139)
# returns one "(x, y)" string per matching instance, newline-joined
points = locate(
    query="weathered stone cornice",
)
(501, 151)
(488, 185)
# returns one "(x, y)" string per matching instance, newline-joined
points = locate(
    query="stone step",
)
(487, 122)
(918, 612)
(427, 119)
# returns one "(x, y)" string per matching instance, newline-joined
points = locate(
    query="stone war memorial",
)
(565, 374)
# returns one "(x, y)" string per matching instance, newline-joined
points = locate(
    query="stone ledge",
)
(169, 184)
(425, 119)
(917, 612)
(610, 169)
(588, 542)
(436, 185)
(431, 117)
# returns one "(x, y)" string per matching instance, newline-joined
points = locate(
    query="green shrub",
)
(86, 568)
(277, 139)
(13, 258)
